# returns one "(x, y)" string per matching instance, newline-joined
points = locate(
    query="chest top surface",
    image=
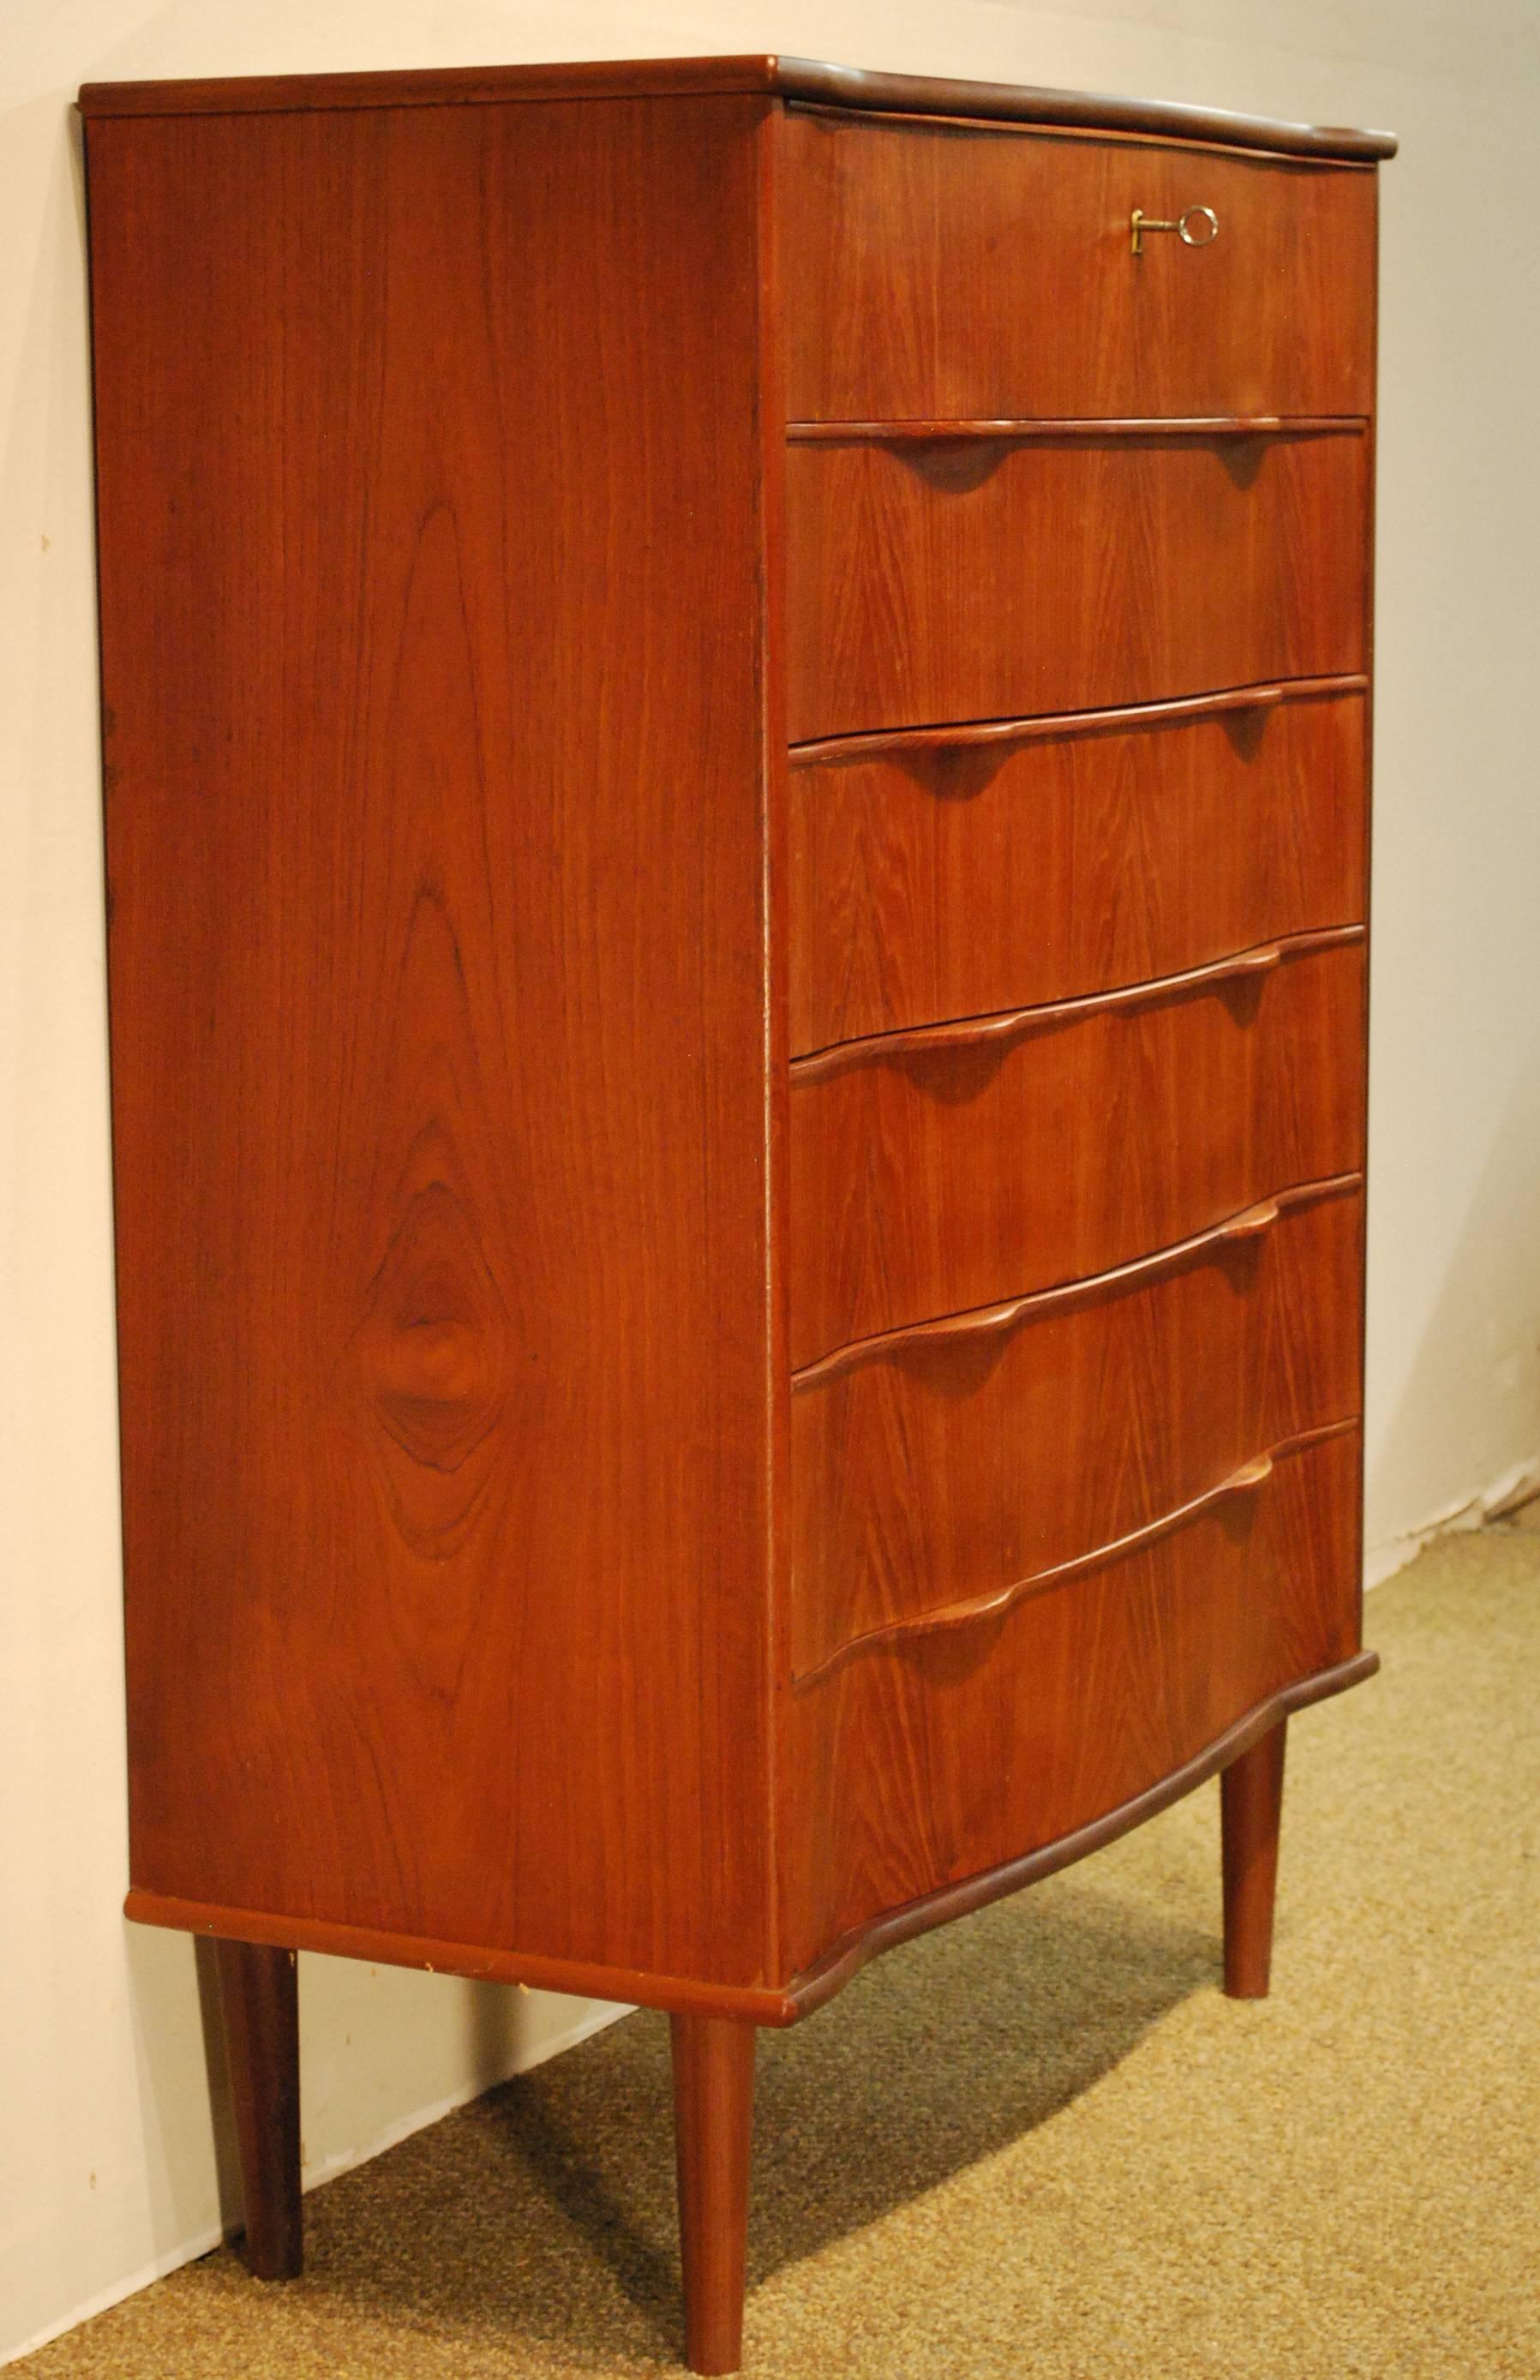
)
(810, 81)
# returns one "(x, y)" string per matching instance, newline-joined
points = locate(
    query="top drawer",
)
(942, 272)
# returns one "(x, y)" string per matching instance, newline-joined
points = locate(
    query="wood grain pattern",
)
(784, 2004)
(977, 1037)
(951, 1178)
(945, 272)
(981, 1329)
(916, 1768)
(714, 2098)
(1251, 1807)
(802, 79)
(875, 1937)
(928, 583)
(476, 1961)
(950, 1468)
(717, 1370)
(433, 670)
(958, 873)
(976, 1611)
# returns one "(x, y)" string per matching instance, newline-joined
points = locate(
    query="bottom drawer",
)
(928, 1759)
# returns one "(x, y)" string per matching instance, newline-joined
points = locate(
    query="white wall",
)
(107, 2158)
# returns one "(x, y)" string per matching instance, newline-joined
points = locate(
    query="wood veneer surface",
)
(950, 1464)
(794, 79)
(942, 271)
(442, 1474)
(916, 1765)
(511, 466)
(947, 1175)
(994, 579)
(947, 877)
(429, 1026)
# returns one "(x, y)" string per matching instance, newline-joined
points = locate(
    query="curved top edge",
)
(797, 79)
(1027, 104)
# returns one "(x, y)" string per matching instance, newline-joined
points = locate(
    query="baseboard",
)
(186, 2251)
(420, 2118)
(1514, 1487)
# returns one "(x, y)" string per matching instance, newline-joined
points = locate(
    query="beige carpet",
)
(1040, 2143)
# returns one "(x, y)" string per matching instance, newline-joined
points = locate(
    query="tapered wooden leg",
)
(1250, 1804)
(713, 2118)
(259, 1993)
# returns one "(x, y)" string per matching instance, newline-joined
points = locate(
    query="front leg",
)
(713, 2112)
(1250, 1806)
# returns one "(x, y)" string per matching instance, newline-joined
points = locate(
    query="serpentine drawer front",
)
(938, 1466)
(975, 576)
(956, 871)
(735, 700)
(942, 1169)
(932, 1757)
(947, 272)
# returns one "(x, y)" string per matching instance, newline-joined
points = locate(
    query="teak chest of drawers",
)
(736, 712)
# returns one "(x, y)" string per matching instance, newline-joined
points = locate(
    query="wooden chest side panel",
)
(432, 660)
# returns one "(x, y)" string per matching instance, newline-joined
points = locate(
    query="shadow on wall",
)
(1469, 1402)
(365, 2030)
